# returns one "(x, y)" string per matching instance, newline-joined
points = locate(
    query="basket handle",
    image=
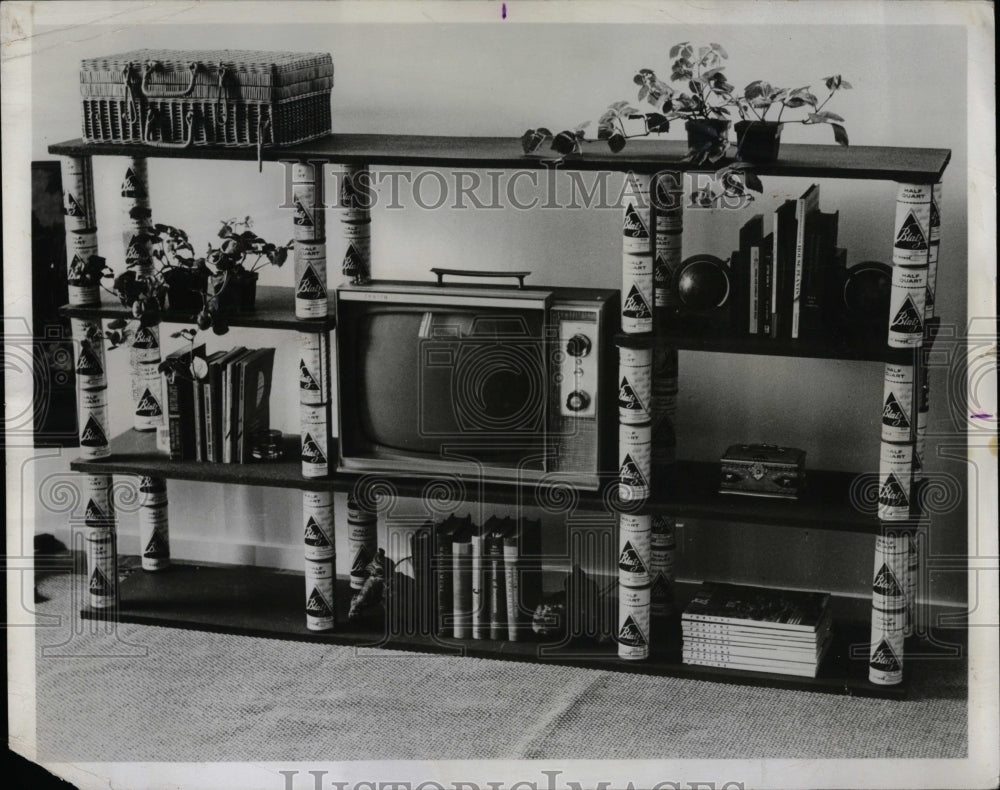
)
(189, 118)
(147, 91)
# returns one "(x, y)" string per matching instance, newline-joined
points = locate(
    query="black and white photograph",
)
(501, 394)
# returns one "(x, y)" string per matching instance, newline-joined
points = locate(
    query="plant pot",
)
(758, 141)
(707, 134)
(235, 292)
(184, 289)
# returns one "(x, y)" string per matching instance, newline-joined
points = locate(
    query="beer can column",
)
(100, 542)
(900, 407)
(320, 560)
(355, 217)
(80, 219)
(635, 411)
(889, 605)
(309, 232)
(148, 394)
(317, 506)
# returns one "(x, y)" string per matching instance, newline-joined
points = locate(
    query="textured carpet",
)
(142, 693)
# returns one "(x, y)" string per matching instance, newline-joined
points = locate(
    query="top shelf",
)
(910, 165)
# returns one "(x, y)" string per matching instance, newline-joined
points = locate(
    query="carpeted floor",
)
(143, 694)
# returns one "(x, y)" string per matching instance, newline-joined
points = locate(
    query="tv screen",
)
(448, 383)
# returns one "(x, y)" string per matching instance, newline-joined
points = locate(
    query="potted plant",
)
(233, 269)
(758, 138)
(84, 276)
(184, 276)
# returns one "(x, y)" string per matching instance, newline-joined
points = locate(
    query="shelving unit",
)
(268, 603)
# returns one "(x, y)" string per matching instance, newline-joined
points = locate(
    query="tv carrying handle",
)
(474, 273)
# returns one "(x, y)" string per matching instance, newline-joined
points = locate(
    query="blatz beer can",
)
(633, 623)
(635, 385)
(637, 293)
(911, 239)
(906, 306)
(98, 509)
(891, 568)
(90, 360)
(102, 568)
(154, 537)
(357, 262)
(665, 264)
(897, 402)
(362, 540)
(634, 547)
(310, 279)
(314, 367)
(634, 461)
(919, 472)
(93, 421)
(145, 346)
(885, 663)
(895, 474)
(663, 551)
(78, 193)
(309, 219)
(81, 247)
(315, 440)
(321, 613)
(636, 238)
(147, 397)
(317, 522)
(152, 491)
(355, 194)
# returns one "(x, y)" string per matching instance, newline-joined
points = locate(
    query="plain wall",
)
(497, 80)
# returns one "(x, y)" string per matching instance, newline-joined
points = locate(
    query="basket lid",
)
(265, 68)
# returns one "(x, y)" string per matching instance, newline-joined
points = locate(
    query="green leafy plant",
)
(760, 97)
(231, 267)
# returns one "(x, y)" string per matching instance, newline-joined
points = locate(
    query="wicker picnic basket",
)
(173, 98)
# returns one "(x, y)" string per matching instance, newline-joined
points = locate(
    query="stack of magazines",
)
(757, 629)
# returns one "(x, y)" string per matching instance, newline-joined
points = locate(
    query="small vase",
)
(758, 141)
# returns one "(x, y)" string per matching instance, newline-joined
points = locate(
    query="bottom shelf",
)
(268, 603)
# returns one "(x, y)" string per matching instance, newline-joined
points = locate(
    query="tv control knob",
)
(578, 400)
(578, 346)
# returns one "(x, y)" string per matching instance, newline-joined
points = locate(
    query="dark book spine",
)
(444, 574)
(174, 419)
(498, 589)
(739, 295)
(814, 291)
(764, 301)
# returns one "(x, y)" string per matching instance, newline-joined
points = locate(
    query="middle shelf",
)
(832, 500)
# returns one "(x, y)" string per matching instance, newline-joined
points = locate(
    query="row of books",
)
(785, 282)
(758, 629)
(478, 581)
(212, 417)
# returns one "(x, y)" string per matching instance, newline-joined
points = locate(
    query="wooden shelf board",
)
(915, 165)
(268, 603)
(687, 490)
(274, 309)
(803, 349)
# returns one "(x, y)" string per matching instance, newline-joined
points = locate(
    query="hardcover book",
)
(738, 604)
(805, 207)
(461, 555)
(444, 575)
(498, 578)
(255, 398)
